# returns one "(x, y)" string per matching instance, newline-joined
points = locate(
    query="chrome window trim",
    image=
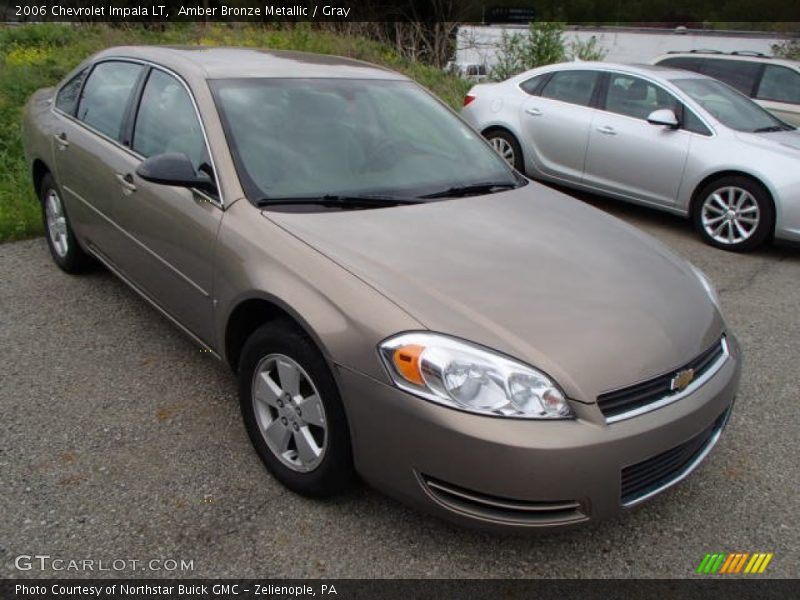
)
(219, 203)
(712, 441)
(689, 390)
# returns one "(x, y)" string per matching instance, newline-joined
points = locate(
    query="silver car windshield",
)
(343, 138)
(729, 107)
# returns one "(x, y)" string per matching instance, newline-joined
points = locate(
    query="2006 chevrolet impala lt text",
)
(395, 300)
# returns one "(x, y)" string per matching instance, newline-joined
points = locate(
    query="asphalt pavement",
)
(121, 441)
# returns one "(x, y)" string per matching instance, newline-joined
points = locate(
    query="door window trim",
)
(132, 110)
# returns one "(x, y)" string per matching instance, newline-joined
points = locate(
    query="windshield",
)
(343, 138)
(729, 107)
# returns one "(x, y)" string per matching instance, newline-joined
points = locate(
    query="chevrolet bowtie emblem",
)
(681, 380)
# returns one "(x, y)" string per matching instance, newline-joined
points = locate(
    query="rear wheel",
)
(292, 411)
(734, 213)
(64, 247)
(507, 146)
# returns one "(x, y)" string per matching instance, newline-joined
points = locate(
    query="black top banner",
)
(655, 12)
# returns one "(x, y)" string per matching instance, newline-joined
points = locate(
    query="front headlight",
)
(465, 376)
(709, 287)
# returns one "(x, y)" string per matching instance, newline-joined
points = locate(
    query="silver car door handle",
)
(62, 140)
(126, 181)
(607, 130)
(534, 112)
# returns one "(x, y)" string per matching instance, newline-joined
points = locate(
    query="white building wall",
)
(477, 44)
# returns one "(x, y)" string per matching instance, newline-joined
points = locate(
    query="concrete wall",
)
(477, 44)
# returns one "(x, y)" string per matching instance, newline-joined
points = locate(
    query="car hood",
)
(782, 141)
(532, 273)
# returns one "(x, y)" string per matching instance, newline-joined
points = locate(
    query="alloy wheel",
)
(504, 149)
(56, 223)
(289, 413)
(730, 215)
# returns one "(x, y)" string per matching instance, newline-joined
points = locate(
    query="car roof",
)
(657, 71)
(226, 63)
(700, 55)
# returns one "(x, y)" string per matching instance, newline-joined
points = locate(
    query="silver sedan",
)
(667, 138)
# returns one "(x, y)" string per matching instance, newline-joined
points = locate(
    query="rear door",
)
(88, 141)
(556, 122)
(170, 232)
(629, 156)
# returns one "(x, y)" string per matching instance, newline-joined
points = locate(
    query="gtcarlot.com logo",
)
(45, 562)
(723, 563)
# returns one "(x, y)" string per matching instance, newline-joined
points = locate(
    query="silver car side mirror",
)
(665, 117)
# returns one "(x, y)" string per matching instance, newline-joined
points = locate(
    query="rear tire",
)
(293, 413)
(734, 213)
(507, 147)
(61, 240)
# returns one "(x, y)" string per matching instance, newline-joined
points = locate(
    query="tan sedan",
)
(395, 300)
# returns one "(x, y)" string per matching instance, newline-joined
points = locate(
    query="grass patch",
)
(39, 55)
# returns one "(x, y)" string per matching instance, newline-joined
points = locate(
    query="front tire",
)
(61, 240)
(293, 413)
(734, 213)
(507, 146)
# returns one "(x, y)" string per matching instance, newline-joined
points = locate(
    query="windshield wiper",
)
(339, 201)
(486, 187)
(771, 128)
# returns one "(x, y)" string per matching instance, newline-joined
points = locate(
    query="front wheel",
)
(734, 213)
(293, 413)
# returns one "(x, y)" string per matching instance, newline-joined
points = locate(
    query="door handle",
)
(62, 140)
(126, 181)
(534, 112)
(607, 130)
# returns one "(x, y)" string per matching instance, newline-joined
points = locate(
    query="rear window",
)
(575, 87)
(780, 84)
(106, 94)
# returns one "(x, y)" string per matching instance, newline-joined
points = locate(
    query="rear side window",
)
(106, 94)
(738, 74)
(532, 85)
(780, 84)
(575, 87)
(67, 98)
(167, 121)
(689, 63)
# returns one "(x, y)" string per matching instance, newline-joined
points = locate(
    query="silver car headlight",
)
(471, 378)
(706, 282)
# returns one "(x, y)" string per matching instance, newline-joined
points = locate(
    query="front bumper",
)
(502, 473)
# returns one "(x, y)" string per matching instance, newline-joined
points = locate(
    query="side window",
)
(689, 63)
(738, 74)
(67, 99)
(635, 97)
(575, 87)
(167, 121)
(106, 94)
(779, 84)
(532, 85)
(691, 122)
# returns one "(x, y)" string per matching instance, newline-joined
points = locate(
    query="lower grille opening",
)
(660, 471)
(519, 512)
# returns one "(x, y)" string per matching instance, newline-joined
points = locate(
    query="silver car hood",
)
(532, 273)
(786, 141)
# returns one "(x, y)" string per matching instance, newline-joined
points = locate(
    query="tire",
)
(508, 147)
(734, 213)
(61, 240)
(271, 350)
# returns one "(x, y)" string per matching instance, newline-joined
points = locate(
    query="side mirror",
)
(174, 169)
(665, 117)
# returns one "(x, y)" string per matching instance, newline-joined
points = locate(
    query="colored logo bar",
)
(737, 562)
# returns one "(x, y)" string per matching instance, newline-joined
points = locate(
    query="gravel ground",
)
(120, 440)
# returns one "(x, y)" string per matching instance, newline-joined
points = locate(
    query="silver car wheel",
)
(289, 412)
(504, 149)
(56, 223)
(730, 215)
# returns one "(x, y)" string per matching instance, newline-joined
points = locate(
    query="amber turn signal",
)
(406, 360)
